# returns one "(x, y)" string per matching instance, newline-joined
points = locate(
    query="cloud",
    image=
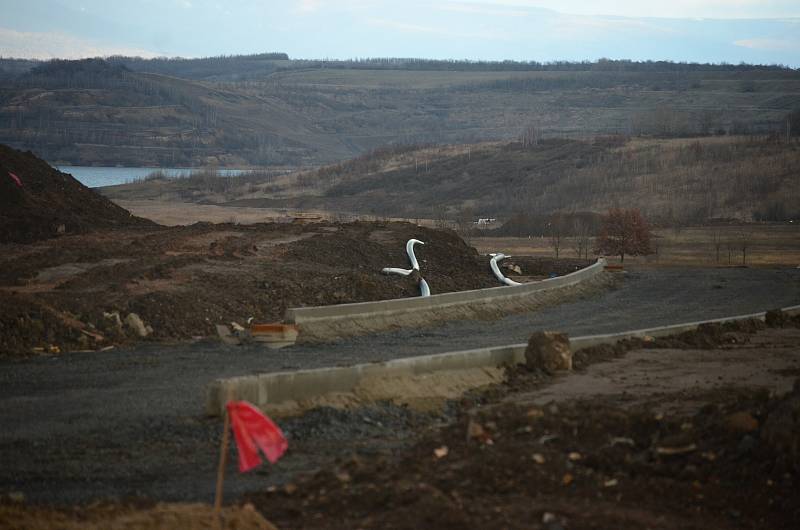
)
(769, 44)
(580, 25)
(307, 6)
(436, 30)
(722, 9)
(483, 9)
(57, 45)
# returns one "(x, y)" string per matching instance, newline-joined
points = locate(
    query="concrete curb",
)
(336, 321)
(278, 387)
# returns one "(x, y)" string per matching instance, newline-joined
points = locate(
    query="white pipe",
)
(496, 269)
(410, 251)
(424, 290)
(394, 270)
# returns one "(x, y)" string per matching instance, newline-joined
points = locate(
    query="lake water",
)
(94, 177)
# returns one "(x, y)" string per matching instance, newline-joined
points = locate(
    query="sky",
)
(733, 31)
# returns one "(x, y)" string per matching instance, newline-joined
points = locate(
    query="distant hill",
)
(39, 202)
(269, 110)
(673, 181)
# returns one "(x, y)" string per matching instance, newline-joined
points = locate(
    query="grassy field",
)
(768, 245)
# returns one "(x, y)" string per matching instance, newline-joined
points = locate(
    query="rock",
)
(475, 430)
(134, 322)
(741, 421)
(549, 350)
(114, 318)
(224, 334)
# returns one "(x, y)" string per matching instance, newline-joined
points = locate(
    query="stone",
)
(549, 351)
(225, 335)
(114, 318)
(135, 322)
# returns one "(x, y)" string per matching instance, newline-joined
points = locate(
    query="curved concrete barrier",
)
(337, 321)
(271, 391)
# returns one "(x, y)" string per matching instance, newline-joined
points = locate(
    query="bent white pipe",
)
(410, 251)
(496, 270)
(395, 270)
(424, 290)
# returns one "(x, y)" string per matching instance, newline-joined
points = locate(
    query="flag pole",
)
(223, 460)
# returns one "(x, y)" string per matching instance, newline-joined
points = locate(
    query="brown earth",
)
(144, 515)
(59, 294)
(49, 203)
(673, 442)
(718, 452)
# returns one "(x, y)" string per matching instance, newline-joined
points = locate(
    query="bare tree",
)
(717, 242)
(440, 217)
(580, 242)
(743, 243)
(464, 220)
(530, 136)
(624, 232)
(556, 232)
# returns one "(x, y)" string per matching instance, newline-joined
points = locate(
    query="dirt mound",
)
(583, 464)
(182, 281)
(39, 202)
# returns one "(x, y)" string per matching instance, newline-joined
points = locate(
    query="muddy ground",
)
(658, 438)
(651, 435)
(62, 294)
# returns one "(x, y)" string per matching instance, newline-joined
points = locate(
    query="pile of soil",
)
(65, 294)
(729, 460)
(580, 464)
(143, 516)
(46, 202)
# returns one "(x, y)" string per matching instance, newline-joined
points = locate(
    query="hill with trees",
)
(674, 182)
(270, 110)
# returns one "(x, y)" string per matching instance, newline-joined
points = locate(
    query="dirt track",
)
(75, 418)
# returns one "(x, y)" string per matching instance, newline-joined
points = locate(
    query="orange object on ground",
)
(274, 335)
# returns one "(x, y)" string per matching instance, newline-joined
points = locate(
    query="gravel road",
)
(130, 422)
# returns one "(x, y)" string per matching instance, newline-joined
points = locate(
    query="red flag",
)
(252, 431)
(16, 179)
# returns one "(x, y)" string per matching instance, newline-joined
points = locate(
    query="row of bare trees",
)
(734, 243)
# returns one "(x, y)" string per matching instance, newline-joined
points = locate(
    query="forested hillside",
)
(269, 110)
(675, 182)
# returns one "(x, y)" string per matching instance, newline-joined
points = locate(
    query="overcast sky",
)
(754, 31)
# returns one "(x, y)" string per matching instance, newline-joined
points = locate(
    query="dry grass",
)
(768, 245)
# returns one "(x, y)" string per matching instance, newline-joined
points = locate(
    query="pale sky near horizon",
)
(753, 31)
